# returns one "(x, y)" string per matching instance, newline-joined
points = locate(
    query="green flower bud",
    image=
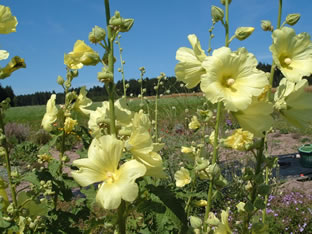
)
(74, 73)
(97, 34)
(217, 14)
(242, 33)
(195, 222)
(223, 2)
(105, 76)
(292, 19)
(121, 24)
(266, 25)
(60, 80)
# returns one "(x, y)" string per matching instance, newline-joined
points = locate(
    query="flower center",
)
(110, 177)
(230, 81)
(287, 61)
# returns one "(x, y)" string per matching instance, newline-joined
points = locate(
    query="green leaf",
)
(264, 189)
(3, 223)
(259, 203)
(54, 166)
(34, 207)
(32, 178)
(174, 211)
(249, 207)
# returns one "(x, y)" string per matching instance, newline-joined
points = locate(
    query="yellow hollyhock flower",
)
(82, 54)
(292, 53)
(194, 124)
(182, 177)
(100, 118)
(294, 103)
(189, 69)
(69, 125)
(83, 101)
(221, 226)
(141, 146)
(8, 22)
(102, 165)
(232, 77)
(51, 114)
(256, 118)
(239, 140)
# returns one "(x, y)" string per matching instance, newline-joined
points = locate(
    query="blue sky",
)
(49, 28)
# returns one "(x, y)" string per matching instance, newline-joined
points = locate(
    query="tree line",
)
(99, 93)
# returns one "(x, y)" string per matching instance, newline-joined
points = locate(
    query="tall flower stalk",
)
(217, 126)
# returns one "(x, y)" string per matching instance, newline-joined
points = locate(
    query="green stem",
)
(111, 85)
(270, 97)
(122, 218)
(7, 161)
(122, 69)
(156, 112)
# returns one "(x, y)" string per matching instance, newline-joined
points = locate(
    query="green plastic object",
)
(305, 152)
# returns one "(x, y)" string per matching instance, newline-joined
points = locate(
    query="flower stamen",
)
(230, 81)
(287, 61)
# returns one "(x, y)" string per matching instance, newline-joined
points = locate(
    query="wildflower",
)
(256, 118)
(44, 158)
(232, 77)
(194, 124)
(239, 140)
(102, 166)
(292, 53)
(293, 103)
(187, 150)
(189, 69)
(69, 124)
(8, 22)
(82, 54)
(182, 177)
(14, 64)
(82, 102)
(141, 146)
(221, 226)
(51, 114)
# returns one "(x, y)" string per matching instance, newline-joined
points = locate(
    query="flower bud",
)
(223, 2)
(217, 14)
(122, 25)
(60, 80)
(242, 33)
(195, 222)
(266, 25)
(97, 34)
(105, 76)
(292, 19)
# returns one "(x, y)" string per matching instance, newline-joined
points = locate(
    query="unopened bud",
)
(242, 33)
(217, 14)
(97, 34)
(105, 76)
(195, 222)
(60, 80)
(223, 2)
(266, 25)
(122, 25)
(292, 19)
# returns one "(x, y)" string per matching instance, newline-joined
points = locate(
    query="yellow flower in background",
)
(4, 54)
(187, 150)
(69, 125)
(256, 118)
(51, 114)
(292, 53)
(194, 124)
(8, 22)
(189, 69)
(102, 165)
(239, 140)
(141, 146)
(100, 118)
(82, 54)
(221, 226)
(182, 177)
(294, 103)
(83, 101)
(232, 77)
